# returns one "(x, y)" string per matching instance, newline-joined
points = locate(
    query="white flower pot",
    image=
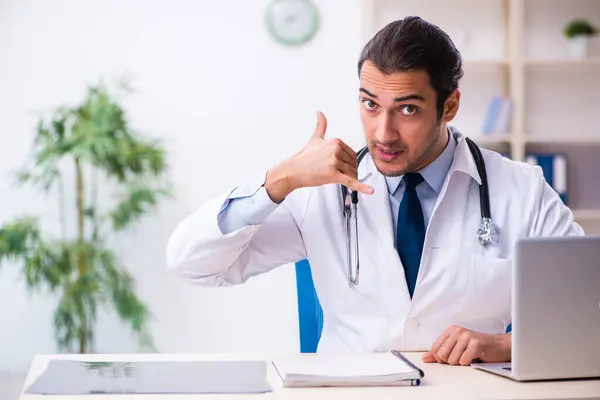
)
(579, 47)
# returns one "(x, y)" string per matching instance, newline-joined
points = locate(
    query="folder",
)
(371, 369)
(554, 167)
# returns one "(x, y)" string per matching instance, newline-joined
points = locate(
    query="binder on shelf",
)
(497, 119)
(371, 369)
(554, 167)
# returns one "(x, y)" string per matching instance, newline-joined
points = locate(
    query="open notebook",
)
(373, 369)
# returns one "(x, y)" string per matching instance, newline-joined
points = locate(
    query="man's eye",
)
(369, 104)
(409, 109)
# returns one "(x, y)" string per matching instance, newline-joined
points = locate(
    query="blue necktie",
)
(410, 232)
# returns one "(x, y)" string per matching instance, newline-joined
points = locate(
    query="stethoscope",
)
(487, 234)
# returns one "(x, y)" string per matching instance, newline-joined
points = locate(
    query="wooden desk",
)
(440, 382)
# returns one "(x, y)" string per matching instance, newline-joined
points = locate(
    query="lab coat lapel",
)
(463, 163)
(377, 205)
(378, 223)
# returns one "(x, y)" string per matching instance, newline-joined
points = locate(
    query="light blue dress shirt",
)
(252, 206)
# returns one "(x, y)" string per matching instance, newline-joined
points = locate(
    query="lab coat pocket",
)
(486, 304)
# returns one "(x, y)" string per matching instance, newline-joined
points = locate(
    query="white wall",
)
(218, 90)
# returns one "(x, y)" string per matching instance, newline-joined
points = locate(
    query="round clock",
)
(292, 22)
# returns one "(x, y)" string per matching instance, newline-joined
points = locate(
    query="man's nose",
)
(385, 132)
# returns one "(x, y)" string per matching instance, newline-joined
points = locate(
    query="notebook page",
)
(351, 365)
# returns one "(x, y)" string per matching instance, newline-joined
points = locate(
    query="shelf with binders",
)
(573, 172)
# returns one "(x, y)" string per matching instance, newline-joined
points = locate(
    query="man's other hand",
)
(460, 346)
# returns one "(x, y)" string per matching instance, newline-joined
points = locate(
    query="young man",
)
(426, 283)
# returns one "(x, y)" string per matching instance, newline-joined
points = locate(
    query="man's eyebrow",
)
(367, 92)
(409, 97)
(397, 99)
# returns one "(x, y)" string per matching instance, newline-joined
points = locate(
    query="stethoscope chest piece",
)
(488, 233)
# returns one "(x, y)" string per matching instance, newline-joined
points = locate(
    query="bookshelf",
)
(516, 49)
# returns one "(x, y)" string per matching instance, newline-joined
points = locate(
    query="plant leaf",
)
(119, 288)
(65, 317)
(44, 263)
(18, 238)
(137, 201)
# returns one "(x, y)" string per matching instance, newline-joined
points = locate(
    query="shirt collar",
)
(434, 174)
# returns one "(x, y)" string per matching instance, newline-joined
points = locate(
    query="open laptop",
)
(555, 309)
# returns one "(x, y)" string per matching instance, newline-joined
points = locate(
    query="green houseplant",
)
(84, 150)
(578, 31)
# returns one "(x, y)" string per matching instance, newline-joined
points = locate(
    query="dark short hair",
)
(415, 44)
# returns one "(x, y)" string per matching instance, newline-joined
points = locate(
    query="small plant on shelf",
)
(578, 31)
(579, 27)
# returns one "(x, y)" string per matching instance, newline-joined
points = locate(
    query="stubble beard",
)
(417, 164)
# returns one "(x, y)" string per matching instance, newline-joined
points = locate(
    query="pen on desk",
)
(406, 360)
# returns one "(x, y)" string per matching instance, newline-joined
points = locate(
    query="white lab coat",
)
(459, 282)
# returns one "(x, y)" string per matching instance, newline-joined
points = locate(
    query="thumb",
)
(429, 358)
(321, 126)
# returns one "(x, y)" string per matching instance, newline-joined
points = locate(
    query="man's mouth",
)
(388, 155)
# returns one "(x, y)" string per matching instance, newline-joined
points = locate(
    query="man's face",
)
(400, 120)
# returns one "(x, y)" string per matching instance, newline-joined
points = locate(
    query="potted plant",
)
(578, 32)
(79, 154)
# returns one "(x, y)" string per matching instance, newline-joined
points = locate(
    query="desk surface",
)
(441, 381)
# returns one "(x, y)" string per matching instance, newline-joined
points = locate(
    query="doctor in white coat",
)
(426, 283)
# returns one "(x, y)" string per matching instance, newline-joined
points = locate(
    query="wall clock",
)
(292, 22)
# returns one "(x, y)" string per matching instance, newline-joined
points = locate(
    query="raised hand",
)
(321, 161)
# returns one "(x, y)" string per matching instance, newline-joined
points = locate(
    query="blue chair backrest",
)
(310, 313)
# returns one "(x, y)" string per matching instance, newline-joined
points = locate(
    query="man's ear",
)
(451, 106)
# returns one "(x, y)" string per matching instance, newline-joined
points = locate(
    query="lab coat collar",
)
(463, 159)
